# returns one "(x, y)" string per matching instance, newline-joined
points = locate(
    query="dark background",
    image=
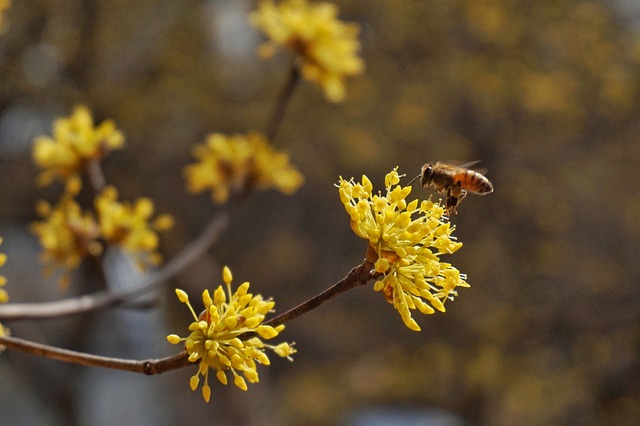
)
(544, 93)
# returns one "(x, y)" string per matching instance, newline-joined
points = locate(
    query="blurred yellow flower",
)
(215, 338)
(327, 48)
(67, 235)
(4, 296)
(4, 5)
(127, 225)
(406, 241)
(75, 141)
(234, 165)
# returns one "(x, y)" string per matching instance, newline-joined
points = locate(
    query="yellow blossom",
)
(217, 335)
(67, 235)
(326, 47)
(239, 163)
(4, 296)
(4, 5)
(75, 142)
(406, 240)
(4, 331)
(127, 225)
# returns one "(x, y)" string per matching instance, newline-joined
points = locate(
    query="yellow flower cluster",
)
(327, 48)
(127, 225)
(216, 335)
(406, 241)
(4, 296)
(68, 234)
(239, 163)
(74, 143)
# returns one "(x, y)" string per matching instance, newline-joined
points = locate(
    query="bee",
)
(453, 182)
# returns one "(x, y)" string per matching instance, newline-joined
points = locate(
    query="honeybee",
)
(453, 182)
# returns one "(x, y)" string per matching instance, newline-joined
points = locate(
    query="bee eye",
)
(427, 171)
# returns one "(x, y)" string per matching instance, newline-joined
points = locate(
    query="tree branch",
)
(103, 299)
(358, 276)
(281, 103)
(149, 367)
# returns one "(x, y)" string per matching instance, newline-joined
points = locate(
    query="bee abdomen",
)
(475, 182)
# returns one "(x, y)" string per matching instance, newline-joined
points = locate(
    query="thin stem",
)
(283, 100)
(96, 175)
(149, 367)
(82, 304)
(358, 276)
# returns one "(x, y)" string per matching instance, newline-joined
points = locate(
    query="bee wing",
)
(469, 164)
(460, 164)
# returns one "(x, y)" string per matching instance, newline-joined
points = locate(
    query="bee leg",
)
(450, 202)
(453, 200)
(457, 191)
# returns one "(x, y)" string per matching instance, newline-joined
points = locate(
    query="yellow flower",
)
(216, 335)
(75, 141)
(327, 48)
(4, 331)
(67, 235)
(127, 225)
(4, 296)
(4, 5)
(406, 241)
(238, 163)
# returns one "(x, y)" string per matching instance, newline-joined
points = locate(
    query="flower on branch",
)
(67, 235)
(127, 225)
(326, 47)
(239, 163)
(227, 336)
(75, 142)
(405, 241)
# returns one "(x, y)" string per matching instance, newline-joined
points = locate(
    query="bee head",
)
(426, 175)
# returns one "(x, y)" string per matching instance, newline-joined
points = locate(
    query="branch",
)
(358, 276)
(281, 103)
(96, 176)
(103, 299)
(149, 367)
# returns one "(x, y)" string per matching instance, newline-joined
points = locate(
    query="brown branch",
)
(283, 100)
(96, 176)
(103, 299)
(149, 367)
(358, 276)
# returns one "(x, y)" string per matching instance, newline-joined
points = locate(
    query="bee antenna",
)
(414, 179)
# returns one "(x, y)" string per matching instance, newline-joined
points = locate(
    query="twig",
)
(359, 276)
(149, 367)
(283, 100)
(82, 304)
(96, 175)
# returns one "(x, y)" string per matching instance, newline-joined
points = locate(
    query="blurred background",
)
(545, 93)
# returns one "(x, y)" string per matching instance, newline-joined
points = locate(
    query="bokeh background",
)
(545, 93)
